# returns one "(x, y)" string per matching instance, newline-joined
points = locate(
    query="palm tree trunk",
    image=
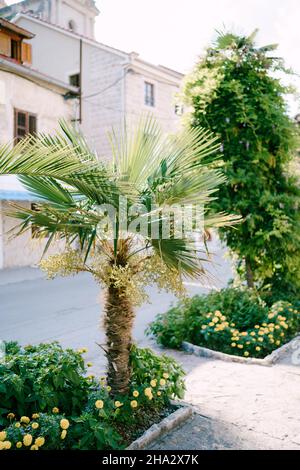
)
(249, 274)
(118, 325)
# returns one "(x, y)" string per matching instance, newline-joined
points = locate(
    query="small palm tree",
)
(76, 193)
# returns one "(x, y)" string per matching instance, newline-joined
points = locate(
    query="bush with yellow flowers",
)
(40, 431)
(104, 421)
(47, 372)
(232, 321)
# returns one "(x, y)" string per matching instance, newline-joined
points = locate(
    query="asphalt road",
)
(69, 310)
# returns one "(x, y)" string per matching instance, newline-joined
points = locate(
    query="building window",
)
(72, 25)
(179, 109)
(25, 123)
(74, 79)
(149, 94)
(15, 50)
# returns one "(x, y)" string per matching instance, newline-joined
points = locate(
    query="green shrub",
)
(40, 378)
(88, 417)
(233, 321)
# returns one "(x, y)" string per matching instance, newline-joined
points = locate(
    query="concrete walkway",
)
(238, 406)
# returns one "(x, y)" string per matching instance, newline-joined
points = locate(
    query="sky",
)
(175, 32)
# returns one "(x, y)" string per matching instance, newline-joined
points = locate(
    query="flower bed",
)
(47, 402)
(231, 321)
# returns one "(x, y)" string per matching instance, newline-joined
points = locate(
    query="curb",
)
(169, 423)
(268, 361)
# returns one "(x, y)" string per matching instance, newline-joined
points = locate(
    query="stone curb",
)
(169, 423)
(267, 361)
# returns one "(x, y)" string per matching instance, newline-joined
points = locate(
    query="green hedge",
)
(232, 321)
(48, 402)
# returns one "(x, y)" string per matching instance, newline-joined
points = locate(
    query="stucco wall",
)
(49, 106)
(23, 94)
(22, 250)
(57, 54)
(164, 100)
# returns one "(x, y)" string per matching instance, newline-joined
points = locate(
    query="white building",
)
(75, 15)
(114, 84)
(29, 101)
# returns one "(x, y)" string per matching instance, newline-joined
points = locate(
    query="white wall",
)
(49, 106)
(115, 96)
(164, 100)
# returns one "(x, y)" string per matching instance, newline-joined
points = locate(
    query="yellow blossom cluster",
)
(256, 341)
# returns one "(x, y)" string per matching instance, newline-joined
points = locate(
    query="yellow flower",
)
(99, 404)
(55, 410)
(257, 348)
(63, 434)
(108, 388)
(35, 416)
(27, 440)
(204, 327)
(150, 396)
(153, 383)
(158, 393)
(247, 342)
(240, 346)
(246, 353)
(2, 445)
(17, 425)
(148, 391)
(19, 445)
(35, 425)
(64, 423)
(232, 324)
(211, 324)
(244, 333)
(2, 435)
(34, 447)
(135, 393)
(218, 313)
(162, 382)
(90, 377)
(118, 404)
(257, 327)
(6, 445)
(252, 333)
(277, 343)
(10, 415)
(260, 339)
(25, 419)
(277, 327)
(215, 320)
(40, 441)
(133, 403)
(89, 364)
(233, 345)
(84, 350)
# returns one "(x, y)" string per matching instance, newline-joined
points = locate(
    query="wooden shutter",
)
(26, 53)
(4, 45)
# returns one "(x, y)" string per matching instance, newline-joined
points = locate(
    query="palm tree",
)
(75, 191)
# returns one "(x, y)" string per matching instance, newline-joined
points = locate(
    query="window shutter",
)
(4, 45)
(26, 53)
(32, 124)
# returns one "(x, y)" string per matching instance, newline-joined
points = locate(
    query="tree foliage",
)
(236, 91)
